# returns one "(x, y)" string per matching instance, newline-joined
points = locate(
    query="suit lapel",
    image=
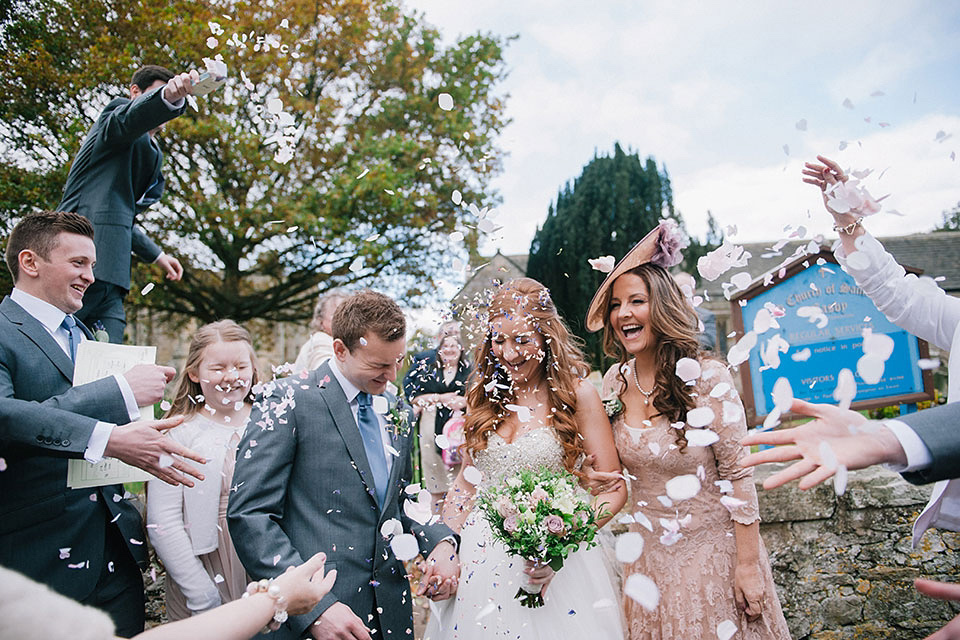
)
(402, 444)
(36, 333)
(332, 394)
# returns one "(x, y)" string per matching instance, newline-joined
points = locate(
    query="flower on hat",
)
(669, 244)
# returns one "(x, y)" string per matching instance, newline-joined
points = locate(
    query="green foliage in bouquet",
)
(542, 516)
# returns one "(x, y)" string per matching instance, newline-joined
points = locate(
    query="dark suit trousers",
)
(103, 303)
(119, 589)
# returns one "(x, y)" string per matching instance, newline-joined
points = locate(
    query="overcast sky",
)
(715, 91)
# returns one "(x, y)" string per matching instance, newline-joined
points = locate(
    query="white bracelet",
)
(280, 603)
(848, 229)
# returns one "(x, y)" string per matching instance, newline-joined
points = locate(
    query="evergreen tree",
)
(615, 202)
(951, 220)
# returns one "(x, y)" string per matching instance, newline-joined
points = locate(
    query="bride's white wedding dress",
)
(580, 601)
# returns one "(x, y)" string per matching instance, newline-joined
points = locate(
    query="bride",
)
(529, 406)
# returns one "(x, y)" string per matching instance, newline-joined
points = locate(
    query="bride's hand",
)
(539, 574)
(598, 482)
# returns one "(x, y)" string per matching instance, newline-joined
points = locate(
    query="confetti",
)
(390, 528)
(643, 591)
(846, 389)
(456, 197)
(603, 264)
(700, 417)
(405, 547)
(726, 629)
(683, 487)
(688, 369)
(380, 405)
(701, 437)
(801, 356)
(165, 461)
(473, 475)
(840, 480)
(629, 547)
(445, 101)
(801, 124)
(147, 288)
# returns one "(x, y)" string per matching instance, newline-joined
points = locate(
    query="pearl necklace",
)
(636, 380)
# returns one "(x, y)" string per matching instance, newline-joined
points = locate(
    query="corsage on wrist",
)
(279, 602)
(849, 228)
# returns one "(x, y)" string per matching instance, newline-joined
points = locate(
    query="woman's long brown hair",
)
(562, 366)
(674, 325)
(186, 390)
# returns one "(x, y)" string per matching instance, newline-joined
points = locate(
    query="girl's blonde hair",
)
(186, 390)
(562, 366)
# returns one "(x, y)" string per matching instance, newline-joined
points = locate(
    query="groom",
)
(320, 470)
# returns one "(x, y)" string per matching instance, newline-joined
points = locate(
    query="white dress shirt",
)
(51, 318)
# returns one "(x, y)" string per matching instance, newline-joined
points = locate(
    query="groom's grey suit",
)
(939, 429)
(302, 485)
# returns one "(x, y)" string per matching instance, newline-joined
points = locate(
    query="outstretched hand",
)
(942, 591)
(143, 445)
(824, 176)
(304, 586)
(837, 437)
(180, 86)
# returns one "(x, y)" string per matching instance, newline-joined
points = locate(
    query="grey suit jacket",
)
(117, 163)
(302, 485)
(45, 421)
(939, 428)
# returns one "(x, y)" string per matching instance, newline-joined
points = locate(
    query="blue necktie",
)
(373, 445)
(69, 325)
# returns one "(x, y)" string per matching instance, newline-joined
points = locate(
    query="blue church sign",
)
(822, 343)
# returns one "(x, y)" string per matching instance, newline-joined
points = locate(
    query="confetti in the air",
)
(683, 487)
(688, 369)
(629, 547)
(405, 547)
(643, 591)
(445, 101)
(147, 288)
(726, 629)
(603, 264)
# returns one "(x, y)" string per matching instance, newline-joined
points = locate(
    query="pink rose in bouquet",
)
(554, 525)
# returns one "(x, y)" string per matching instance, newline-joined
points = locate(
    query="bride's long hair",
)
(562, 369)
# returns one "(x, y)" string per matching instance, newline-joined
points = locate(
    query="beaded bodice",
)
(530, 450)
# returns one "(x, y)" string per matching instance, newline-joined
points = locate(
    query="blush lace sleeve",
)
(718, 392)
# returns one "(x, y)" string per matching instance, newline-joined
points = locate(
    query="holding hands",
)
(441, 572)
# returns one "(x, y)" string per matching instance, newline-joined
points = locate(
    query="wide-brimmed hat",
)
(661, 246)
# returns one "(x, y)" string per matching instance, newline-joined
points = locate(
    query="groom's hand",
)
(339, 622)
(441, 572)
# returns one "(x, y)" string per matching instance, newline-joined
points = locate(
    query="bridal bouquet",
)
(541, 516)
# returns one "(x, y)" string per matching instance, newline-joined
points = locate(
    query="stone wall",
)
(844, 566)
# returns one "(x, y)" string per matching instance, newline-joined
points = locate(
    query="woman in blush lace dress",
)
(694, 505)
(529, 406)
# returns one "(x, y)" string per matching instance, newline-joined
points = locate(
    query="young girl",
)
(187, 526)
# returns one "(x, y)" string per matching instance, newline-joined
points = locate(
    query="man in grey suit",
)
(86, 544)
(321, 468)
(116, 175)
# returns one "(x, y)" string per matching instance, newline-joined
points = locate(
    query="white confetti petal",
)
(688, 369)
(456, 197)
(700, 417)
(603, 264)
(643, 521)
(739, 352)
(840, 480)
(782, 394)
(147, 288)
(701, 437)
(629, 547)
(390, 528)
(683, 487)
(212, 42)
(442, 441)
(643, 591)
(445, 101)
(405, 547)
(846, 389)
(801, 356)
(165, 461)
(380, 405)
(473, 475)
(726, 629)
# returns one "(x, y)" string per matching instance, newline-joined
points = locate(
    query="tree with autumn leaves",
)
(329, 158)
